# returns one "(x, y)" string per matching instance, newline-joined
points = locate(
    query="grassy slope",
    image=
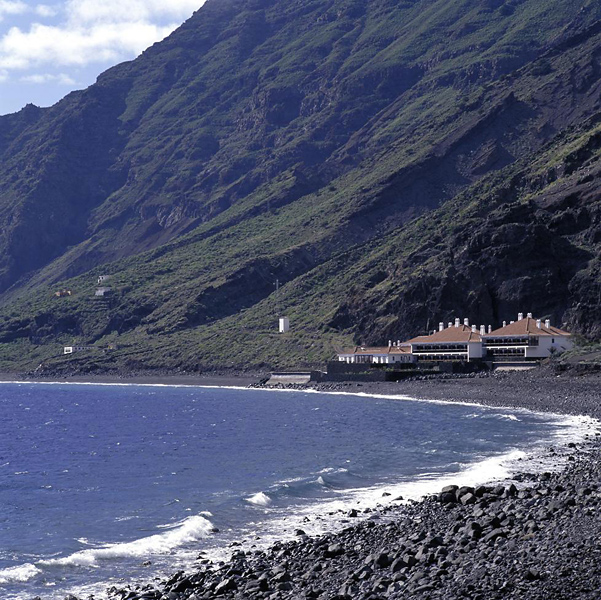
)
(204, 299)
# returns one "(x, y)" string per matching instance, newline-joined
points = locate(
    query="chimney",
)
(456, 322)
(504, 323)
(389, 343)
(529, 315)
(398, 343)
(490, 329)
(482, 329)
(520, 316)
(511, 322)
(473, 329)
(450, 324)
(547, 323)
(466, 322)
(538, 322)
(440, 326)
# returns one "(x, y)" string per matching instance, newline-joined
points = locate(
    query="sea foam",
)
(259, 499)
(18, 574)
(189, 530)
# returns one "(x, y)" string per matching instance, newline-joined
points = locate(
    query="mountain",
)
(390, 163)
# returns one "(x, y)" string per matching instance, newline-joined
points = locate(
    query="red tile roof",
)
(450, 335)
(526, 326)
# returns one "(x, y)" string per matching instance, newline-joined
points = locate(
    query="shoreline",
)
(218, 380)
(462, 548)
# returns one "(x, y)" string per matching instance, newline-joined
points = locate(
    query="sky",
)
(51, 47)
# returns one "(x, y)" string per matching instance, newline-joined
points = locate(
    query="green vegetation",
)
(390, 163)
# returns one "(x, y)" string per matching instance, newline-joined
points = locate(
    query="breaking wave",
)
(19, 574)
(259, 499)
(189, 530)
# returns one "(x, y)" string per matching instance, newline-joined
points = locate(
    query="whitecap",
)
(259, 499)
(508, 417)
(126, 518)
(19, 574)
(333, 470)
(189, 530)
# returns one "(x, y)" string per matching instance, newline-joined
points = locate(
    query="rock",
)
(531, 575)
(227, 585)
(281, 577)
(182, 586)
(382, 560)
(448, 497)
(463, 490)
(397, 565)
(257, 585)
(333, 550)
(493, 535)
(481, 490)
(467, 499)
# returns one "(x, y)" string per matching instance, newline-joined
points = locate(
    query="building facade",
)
(525, 340)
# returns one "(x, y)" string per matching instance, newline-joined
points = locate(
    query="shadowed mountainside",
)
(389, 162)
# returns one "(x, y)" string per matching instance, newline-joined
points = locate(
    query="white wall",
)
(474, 350)
(545, 343)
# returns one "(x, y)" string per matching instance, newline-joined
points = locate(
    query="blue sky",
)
(51, 47)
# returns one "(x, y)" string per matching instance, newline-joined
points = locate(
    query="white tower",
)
(284, 324)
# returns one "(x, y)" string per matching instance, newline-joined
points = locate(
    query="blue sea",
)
(103, 485)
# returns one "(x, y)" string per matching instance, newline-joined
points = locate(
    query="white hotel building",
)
(526, 339)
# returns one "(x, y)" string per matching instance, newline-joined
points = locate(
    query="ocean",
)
(105, 485)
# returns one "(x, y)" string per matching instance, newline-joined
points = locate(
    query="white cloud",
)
(3, 76)
(43, 78)
(43, 10)
(92, 31)
(44, 44)
(111, 11)
(12, 7)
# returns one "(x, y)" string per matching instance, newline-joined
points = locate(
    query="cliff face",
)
(300, 141)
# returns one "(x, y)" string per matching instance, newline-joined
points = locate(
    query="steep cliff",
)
(390, 163)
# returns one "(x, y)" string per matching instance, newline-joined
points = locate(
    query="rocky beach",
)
(534, 537)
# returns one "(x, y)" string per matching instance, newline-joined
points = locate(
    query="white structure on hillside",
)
(103, 291)
(73, 349)
(384, 355)
(284, 324)
(526, 338)
(458, 342)
(103, 279)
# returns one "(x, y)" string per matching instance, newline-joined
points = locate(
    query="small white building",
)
(527, 338)
(284, 324)
(73, 349)
(103, 291)
(103, 279)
